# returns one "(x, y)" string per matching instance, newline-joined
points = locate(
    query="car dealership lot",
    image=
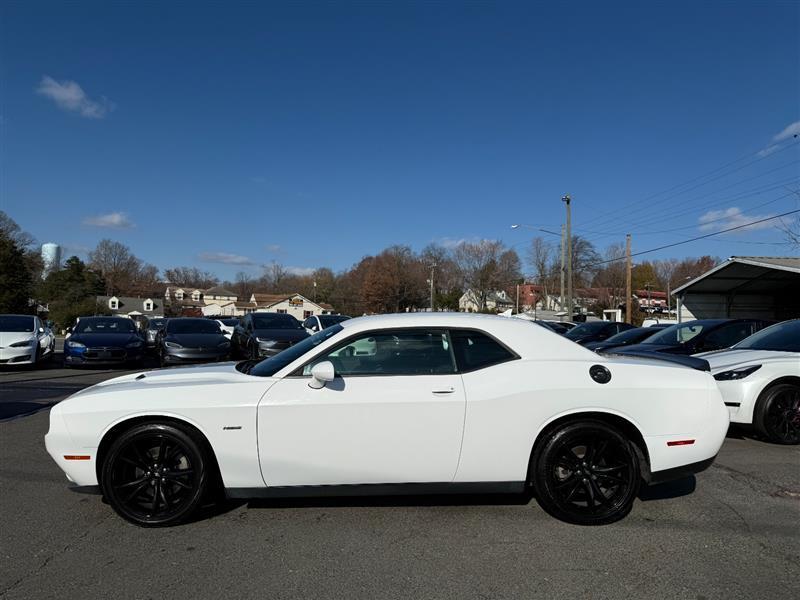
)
(735, 534)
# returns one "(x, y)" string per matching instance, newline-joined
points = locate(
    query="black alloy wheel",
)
(777, 414)
(154, 475)
(586, 473)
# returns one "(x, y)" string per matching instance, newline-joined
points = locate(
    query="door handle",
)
(449, 390)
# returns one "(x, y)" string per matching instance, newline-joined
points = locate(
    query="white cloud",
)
(791, 130)
(114, 220)
(69, 96)
(451, 243)
(715, 220)
(225, 258)
(768, 150)
(273, 248)
(300, 270)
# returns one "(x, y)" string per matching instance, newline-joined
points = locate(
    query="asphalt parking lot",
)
(731, 532)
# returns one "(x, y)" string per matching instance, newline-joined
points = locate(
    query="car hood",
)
(600, 345)
(729, 359)
(12, 337)
(104, 339)
(197, 340)
(222, 373)
(281, 335)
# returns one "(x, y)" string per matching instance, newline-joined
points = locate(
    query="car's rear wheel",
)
(777, 414)
(155, 475)
(586, 472)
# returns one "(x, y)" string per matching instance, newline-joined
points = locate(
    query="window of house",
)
(475, 350)
(148, 305)
(398, 352)
(113, 303)
(307, 313)
(281, 311)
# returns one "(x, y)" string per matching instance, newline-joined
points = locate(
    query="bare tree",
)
(485, 267)
(191, 277)
(540, 257)
(118, 266)
(244, 285)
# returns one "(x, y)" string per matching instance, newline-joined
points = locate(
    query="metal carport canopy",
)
(758, 277)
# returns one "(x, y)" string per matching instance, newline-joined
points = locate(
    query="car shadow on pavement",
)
(394, 501)
(669, 489)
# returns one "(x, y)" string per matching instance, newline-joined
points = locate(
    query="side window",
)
(475, 350)
(308, 323)
(401, 352)
(727, 336)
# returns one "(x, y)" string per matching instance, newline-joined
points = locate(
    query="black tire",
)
(586, 472)
(777, 414)
(155, 475)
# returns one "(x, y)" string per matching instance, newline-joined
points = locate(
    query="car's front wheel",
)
(586, 472)
(155, 475)
(777, 414)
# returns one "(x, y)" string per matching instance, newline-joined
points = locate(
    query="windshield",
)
(676, 334)
(275, 321)
(328, 320)
(110, 325)
(270, 366)
(156, 323)
(192, 326)
(10, 323)
(783, 337)
(586, 329)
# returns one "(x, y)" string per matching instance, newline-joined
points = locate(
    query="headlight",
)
(224, 345)
(735, 374)
(172, 345)
(71, 344)
(266, 343)
(23, 344)
(136, 344)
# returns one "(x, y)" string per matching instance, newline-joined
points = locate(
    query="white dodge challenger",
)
(760, 381)
(411, 403)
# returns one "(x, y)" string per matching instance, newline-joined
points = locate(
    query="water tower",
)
(51, 258)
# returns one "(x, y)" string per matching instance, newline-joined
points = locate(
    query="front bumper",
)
(102, 356)
(23, 355)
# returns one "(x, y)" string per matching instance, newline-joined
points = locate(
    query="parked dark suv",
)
(703, 335)
(263, 334)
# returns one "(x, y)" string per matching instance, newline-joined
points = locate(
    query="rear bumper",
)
(681, 472)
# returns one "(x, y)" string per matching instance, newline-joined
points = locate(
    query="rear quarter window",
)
(475, 350)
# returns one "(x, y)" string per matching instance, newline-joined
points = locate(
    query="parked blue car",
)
(104, 341)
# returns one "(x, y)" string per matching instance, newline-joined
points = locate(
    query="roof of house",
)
(129, 303)
(269, 298)
(219, 291)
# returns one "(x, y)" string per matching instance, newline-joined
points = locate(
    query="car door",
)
(393, 414)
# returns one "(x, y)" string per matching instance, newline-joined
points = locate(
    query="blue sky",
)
(229, 135)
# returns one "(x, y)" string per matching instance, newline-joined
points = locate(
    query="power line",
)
(608, 215)
(700, 237)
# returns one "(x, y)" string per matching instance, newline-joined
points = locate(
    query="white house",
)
(296, 305)
(498, 300)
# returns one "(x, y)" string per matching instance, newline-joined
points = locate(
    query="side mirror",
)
(321, 373)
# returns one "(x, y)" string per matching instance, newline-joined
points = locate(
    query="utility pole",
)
(567, 200)
(563, 250)
(648, 286)
(433, 267)
(517, 298)
(315, 291)
(628, 290)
